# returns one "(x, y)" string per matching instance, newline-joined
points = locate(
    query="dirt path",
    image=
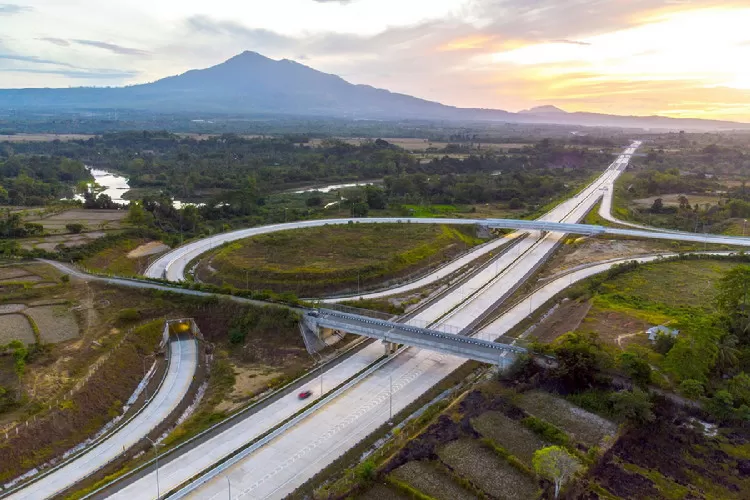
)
(624, 336)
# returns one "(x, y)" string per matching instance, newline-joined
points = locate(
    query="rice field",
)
(15, 327)
(488, 472)
(428, 478)
(56, 323)
(509, 434)
(583, 426)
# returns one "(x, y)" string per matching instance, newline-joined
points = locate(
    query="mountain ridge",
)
(251, 83)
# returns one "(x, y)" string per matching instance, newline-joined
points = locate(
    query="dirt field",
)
(56, 323)
(150, 248)
(616, 328)
(43, 137)
(91, 219)
(566, 318)
(429, 478)
(483, 468)
(15, 327)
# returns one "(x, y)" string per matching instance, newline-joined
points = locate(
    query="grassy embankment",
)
(254, 349)
(332, 259)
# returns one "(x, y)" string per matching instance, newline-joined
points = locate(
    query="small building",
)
(661, 329)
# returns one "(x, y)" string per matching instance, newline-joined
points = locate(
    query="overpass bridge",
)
(393, 334)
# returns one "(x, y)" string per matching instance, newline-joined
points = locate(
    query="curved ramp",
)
(182, 366)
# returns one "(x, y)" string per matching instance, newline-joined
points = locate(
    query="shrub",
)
(692, 389)
(74, 227)
(129, 314)
(634, 405)
(546, 431)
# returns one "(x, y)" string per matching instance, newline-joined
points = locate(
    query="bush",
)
(546, 431)
(74, 227)
(635, 406)
(692, 389)
(129, 314)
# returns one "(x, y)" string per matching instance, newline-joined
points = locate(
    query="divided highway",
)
(276, 469)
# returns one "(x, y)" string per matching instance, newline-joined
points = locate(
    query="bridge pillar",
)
(390, 347)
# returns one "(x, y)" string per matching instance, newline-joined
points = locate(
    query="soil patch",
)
(566, 318)
(56, 323)
(11, 273)
(150, 248)
(616, 328)
(16, 327)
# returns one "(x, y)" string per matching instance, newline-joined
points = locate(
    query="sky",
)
(680, 58)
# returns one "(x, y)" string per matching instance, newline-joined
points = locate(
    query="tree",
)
(515, 204)
(663, 343)
(359, 209)
(692, 389)
(727, 356)
(684, 203)
(314, 201)
(733, 290)
(636, 367)
(657, 206)
(580, 359)
(634, 405)
(138, 215)
(556, 464)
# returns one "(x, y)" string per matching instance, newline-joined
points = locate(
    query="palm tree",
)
(727, 356)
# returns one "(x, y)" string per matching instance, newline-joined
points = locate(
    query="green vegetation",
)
(692, 187)
(334, 258)
(557, 465)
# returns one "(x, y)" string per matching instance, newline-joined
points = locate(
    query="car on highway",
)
(304, 394)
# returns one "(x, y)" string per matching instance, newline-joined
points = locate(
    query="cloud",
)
(117, 49)
(82, 73)
(342, 2)
(34, 59)
(57, 41)
(571, 42)
(9, 9)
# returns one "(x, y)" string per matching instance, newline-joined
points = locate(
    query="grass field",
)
(124, 259)
(675, 284)
(333, 258)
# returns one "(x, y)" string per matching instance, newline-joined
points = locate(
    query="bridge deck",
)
(399, 333)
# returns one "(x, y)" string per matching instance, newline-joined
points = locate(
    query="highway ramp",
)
(183, 361)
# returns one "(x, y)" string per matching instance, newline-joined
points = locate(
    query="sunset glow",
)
(686, 58)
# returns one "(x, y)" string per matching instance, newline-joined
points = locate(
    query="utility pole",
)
(229, 486)
(156, 452)
(390, 397)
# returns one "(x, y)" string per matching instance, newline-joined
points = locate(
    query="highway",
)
(182, 365)
(286, 462)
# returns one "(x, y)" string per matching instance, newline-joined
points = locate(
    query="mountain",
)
(543, 110)
(251, 84)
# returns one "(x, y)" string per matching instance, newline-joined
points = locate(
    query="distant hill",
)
(250, 83)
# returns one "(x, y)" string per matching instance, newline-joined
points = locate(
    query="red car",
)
(304, 394)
